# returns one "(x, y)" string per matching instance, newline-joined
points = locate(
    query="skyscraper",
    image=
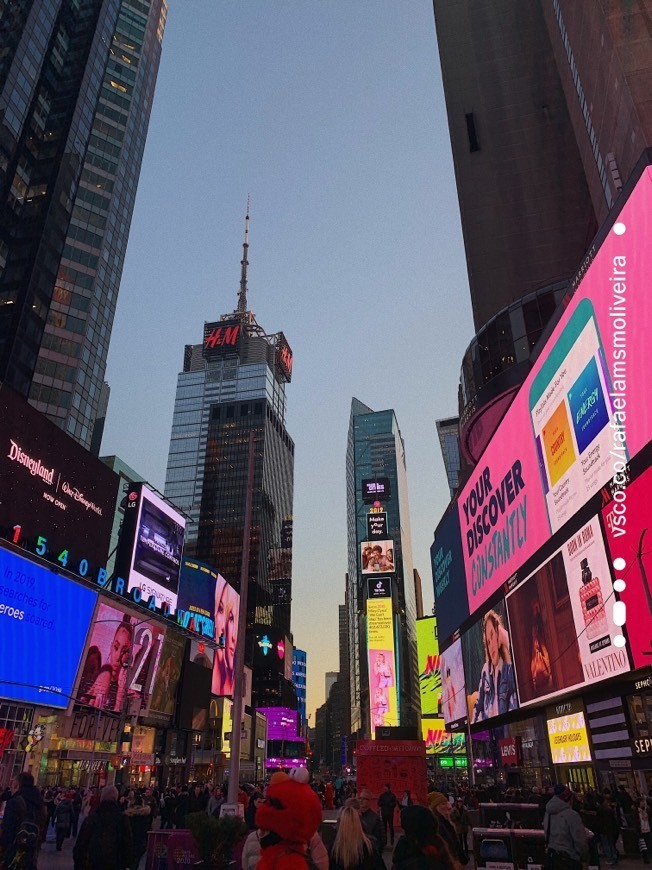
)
(77, 81)
(381, 599)
(233, 385)
(548, 112)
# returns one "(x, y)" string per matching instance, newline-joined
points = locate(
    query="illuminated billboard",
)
(151, 545)
(453, 687)
(282, 723)
(166, 681)
(375, 489)
(227, 614)
(43, 623)
(222, 338)
(377, 557)
(488, 666)
(283, 357)
(196, 598)
(634, 549)
(562, 632)
(439, 741)
(121, 660)
(569, 740)
(382, 663)
(430, 687)
(376, 524)
(579, 416)
(57, 499)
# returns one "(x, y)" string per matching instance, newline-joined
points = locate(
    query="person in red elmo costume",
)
(291, 814)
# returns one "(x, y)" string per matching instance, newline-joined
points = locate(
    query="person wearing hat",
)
(442, 810)
(566, 841)
(421, 845)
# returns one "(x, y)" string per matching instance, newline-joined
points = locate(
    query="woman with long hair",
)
(352, 848)
(497, 688)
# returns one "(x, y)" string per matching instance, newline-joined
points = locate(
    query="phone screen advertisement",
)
(571, 412)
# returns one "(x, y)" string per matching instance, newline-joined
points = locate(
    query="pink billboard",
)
(580, 414)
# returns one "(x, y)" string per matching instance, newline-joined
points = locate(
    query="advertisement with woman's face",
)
(488, 667)
(452, 683)
(227, 611)
(121, 660)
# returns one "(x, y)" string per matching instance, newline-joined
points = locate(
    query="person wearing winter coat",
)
(251, 852)
(461, 821)
(643, 822)
(25, 804)
(442, 811)
(421, 847)
(104, 841)
(63, 819)
(566, 840)
(140, 819)
(352, 848)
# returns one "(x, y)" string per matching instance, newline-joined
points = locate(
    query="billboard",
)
(447, 561)
(382, 663)
(441, 742)
(453, 694)
(120, 663)
(376, 524)
(569, 740)
(488, 666)
(375, 489)
(430, 687)
(43, 624)
(222, 338)
(577, 418)
(57, 499)
(562, 633)
(194, 694)
(283, 357)
(282, 723)
(166, 681)
(196, 598)
(633, 549)
(227, 614)
(377, 557)
(150, 548)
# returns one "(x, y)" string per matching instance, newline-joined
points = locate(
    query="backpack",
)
(28, 837)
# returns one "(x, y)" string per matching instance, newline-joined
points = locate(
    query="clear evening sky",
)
(330, 113)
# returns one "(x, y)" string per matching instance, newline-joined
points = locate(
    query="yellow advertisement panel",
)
(439, 741)
(569, 741)
(429, 671)
(382, 663)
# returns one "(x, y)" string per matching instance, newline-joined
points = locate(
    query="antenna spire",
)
(242, 292)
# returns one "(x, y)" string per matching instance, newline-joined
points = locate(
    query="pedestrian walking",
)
(105, 840)
(566, 841)
(63, 819)
(461, 821)
(371, 823)
(352, 848)
(387, 804)
(24, 824)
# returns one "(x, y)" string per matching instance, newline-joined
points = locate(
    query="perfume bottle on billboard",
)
(595, 618)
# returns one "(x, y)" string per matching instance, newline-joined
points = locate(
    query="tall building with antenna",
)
(233, 384)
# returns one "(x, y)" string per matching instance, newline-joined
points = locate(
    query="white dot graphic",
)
(620, 585)
(619, 640)
(620, 228)
(620, 564)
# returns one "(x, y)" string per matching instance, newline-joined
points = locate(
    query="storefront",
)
(639, 708)
(79, 751)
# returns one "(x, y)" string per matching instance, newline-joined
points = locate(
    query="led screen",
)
(376, 525)
(578, 416)
(562, 632)
(382, 664)
(631, 541)
(439, 741)
(375, 489)
(227, 613)
(447, 565)
(281, 723)
(377, 557)
(157, 547)
(196, 599)
(57, 499)
(120, 663)
(488, 666)
(166, 681)
(429, 670)
(569, 741)
(453, 694)
(43, 623)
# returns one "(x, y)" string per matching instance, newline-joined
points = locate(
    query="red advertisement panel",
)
(399, 763)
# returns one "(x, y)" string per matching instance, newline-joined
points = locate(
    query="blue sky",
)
(330, 113)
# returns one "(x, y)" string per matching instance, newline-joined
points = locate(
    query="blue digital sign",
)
(44, 620)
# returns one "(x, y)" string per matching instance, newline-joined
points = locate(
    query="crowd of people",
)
(110, 826)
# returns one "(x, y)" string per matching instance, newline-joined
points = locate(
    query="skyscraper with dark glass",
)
(77, 80)
(233, 385)
(380, 594)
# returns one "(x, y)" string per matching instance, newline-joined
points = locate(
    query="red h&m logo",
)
(285, 359)
(432, 665)
(222, 336)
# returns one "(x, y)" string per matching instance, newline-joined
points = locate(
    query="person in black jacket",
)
(387, 804)
(442, 810)
(421, 847)
(105, 840)
(25, 806)
(63, 819)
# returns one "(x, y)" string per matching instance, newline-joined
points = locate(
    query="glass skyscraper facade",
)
(376, 452)
(449, 441)
(77, 80)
